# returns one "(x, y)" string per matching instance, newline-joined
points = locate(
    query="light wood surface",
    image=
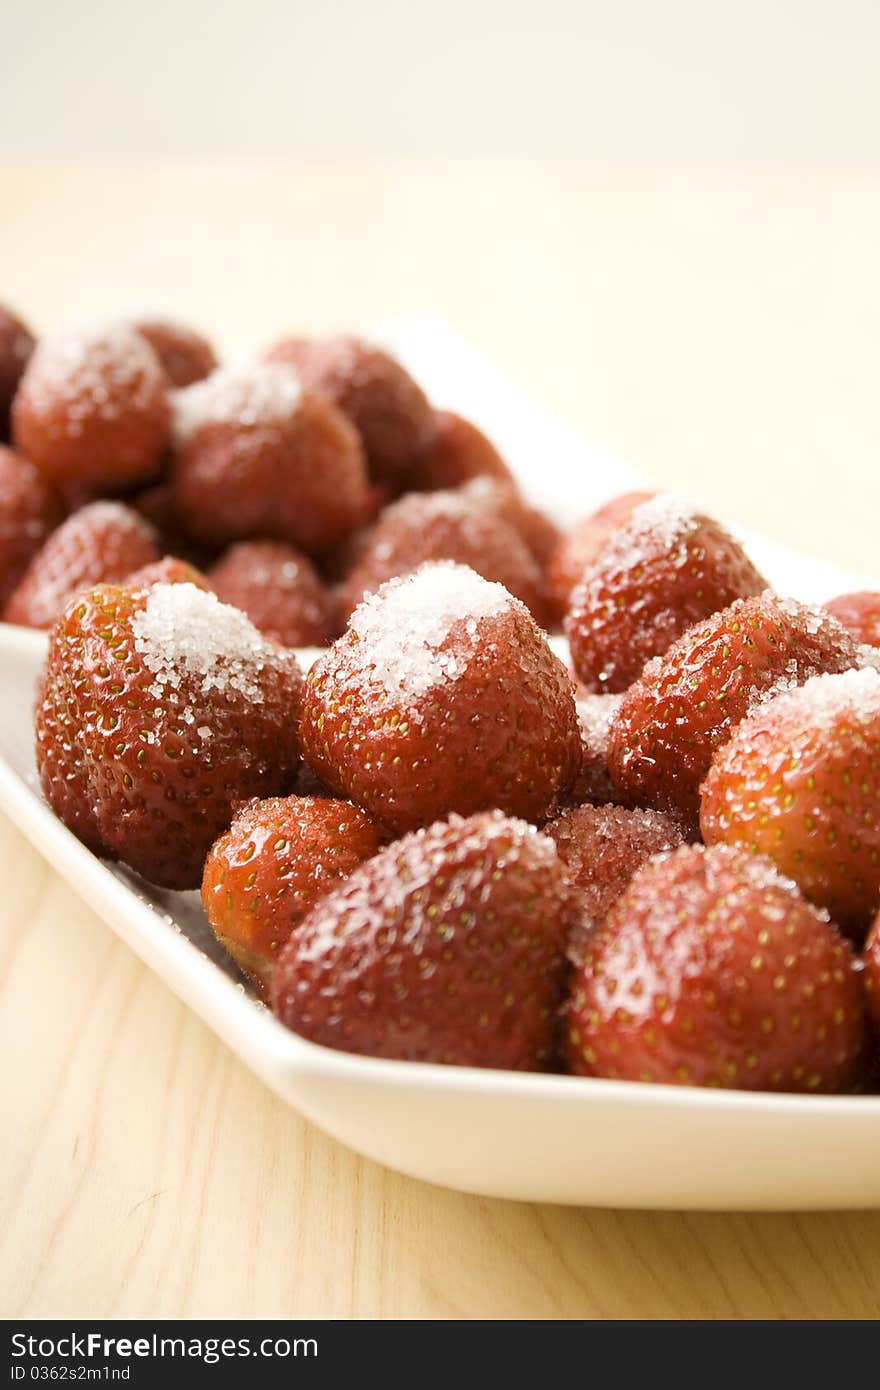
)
(720, 331)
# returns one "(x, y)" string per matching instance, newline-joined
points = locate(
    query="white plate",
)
(539, 1138)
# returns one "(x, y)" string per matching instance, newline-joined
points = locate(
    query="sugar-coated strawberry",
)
(30, 509)
(457, 453)
(687, 702)
(168, 570)
(446, 947)
(278, 858)
(389, 410)
(593, 782)
(667, 568)
(871, 964)
(443, 526)
(184, 355)
(257, 455)
(538, 532)
(712, 970)
(101, 543)
(442, 695)
(16, 345)
(161, 709)
(578, 548)
(279, 589)
(799, 781)
(602, 847)
(91, 410)
(860, 613)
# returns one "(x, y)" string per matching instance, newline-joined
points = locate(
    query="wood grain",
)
(718, 330)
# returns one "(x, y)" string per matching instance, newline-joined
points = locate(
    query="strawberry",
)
(711, 970)
(168, 570)
(686, 703)
(443, 526)
(442, 695)
(871, 962)
(457, 452)
(255, 454)
(101, 543)
(595, 714)
(667, 568)
(601, 847)
(184, 355)
(277, 859)
(799, 782)
(160, 710)
(536, 530)
(577, 550)
(389, 410)
(860, 613)
(16, 346)
(446, 947)
(279, 589)
(91, 409)
(30, 509)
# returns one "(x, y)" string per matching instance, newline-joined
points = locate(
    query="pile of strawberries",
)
(439, 843)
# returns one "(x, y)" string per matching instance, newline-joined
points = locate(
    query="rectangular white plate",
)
(538, 1138)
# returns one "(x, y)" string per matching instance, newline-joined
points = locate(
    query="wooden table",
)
(721, 331)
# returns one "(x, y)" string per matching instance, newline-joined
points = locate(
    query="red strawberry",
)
(16, 346)
(280, 591)
(91, 410)
(799, 782)
(711, 970)
(601, 847)
(184, 355)
(101, 543)
(161, 709)
(389, 410)
(443, 526)
(446, 947)
(157, 506)
(255, 454)
(687, 702)
(871, 961)
(457, 453)
(578, 549)
(441, 696)
(536, 530)
(30, 509)
(168, 570)
(667, 568)
(860, 613)
(276, 860)
(595, 714)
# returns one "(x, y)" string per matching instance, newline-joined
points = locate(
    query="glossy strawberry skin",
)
(30, 509)
(687, 702)
(667, 568)
(871, 964)
(577, 549)
(278, 858)
(184, 355)
(502, 734)
(168, 570)
(103, 542)
(860, 614)
(711, 970)
(601, 848)
(595, 716)
(446, 947)
(279, 589)
(798, 781)
(152, 770)
(452, 525)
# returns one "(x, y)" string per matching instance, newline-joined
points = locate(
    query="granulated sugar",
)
(183, 633)
(260, 394)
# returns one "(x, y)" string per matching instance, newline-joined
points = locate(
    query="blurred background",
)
(660, 221)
